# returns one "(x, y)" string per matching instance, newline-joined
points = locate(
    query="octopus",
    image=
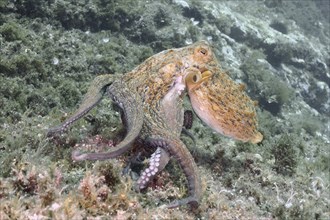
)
(150, 99)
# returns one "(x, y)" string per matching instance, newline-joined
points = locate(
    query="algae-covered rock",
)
(51, 50)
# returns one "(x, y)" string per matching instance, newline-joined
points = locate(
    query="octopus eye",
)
(203, 51)
(195, 78)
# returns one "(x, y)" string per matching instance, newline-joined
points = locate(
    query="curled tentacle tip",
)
(140, 186)
(191, 201)
(78, 156)
(137, 188)
(49, 133)
(52, 132)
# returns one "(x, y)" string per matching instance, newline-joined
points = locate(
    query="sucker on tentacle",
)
(157, 163)
(187, 124)
(188, 119)
(178, 150)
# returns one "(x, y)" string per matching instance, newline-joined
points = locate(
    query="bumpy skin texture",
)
(151, 98)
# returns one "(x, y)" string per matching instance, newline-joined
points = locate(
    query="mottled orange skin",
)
(224, 106)
(216, 98)
(151, 99)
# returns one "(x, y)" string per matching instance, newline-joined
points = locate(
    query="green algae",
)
(272, 92)
(48, 59)
(12, 32)
(285, 154)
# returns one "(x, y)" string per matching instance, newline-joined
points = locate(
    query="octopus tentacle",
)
(158, 161)
(91, 99)
(175, 147)
(189, 134)
(187, 124)
(171, 105)
(131, 104)
(188, 119)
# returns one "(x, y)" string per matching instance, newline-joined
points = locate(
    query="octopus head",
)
(200, 57)
(218, 101)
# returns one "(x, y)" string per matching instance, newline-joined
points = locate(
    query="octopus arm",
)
(176, 148)
(157, 163)
(91, 99)
(131, 104)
